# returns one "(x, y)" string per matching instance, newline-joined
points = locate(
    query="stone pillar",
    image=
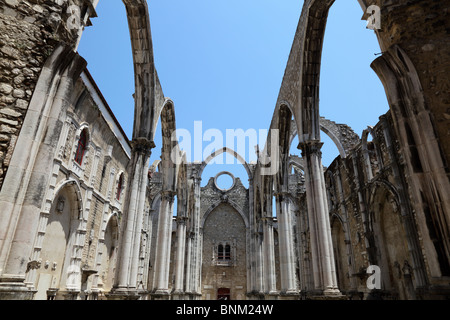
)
(193, 283)
(259, 283)
(348, 244)
(269, 258)
(188, 263)
(129, 243)
(368, 239)
(163, 242)
(179, 261)
(135, 258)
(367, 163)
(251, 239)
(287, 251)
(324, 270)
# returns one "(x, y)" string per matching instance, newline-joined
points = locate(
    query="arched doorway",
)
(108, 255)
(392, 249)
(57, 272)
(340, 254)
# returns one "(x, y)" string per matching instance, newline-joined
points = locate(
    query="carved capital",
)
(268, 220)
(310, 147)
(181, 220)
(142, 146)
(282, 196)
(168, 196)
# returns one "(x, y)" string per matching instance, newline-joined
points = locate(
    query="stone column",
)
(138, 226)
(195, 252)
(251, 240)
(368, 238)
(164, 237)
(287, 251)
(323, 263)
(259, 285)
(179, 262)
(348, 243)
(133, 209)
(188, 262)
(269, 257)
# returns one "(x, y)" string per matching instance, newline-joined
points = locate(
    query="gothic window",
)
(220, 252)
(227, 252)
(119, 187)
(224, 254)
(81, 148)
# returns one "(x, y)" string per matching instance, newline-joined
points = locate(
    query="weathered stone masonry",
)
(83, 215)
(30, 31)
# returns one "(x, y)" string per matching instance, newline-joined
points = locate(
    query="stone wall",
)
(422, 28)
(224, 226)
(372, 219)
(30, 31)
(98, 197)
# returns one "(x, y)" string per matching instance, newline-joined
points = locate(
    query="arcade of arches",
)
(83, 216)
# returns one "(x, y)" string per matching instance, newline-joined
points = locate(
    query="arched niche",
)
(340, 241)
(58, 271)
(108, 249)
(393, 254)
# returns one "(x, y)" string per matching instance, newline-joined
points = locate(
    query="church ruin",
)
(85, 215)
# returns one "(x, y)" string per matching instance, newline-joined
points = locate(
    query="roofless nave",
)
(82, 216)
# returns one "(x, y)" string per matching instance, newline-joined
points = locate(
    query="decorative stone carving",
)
(142, 145)
(60, 205)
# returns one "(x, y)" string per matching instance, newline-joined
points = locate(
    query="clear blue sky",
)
(222, 63)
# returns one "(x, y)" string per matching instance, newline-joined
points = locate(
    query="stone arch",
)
(297, 162)
(341, 239)
(182, 188)
(283, 116)
(393, 253)
(229, 202)
(84, 128)
(341, 134)
(168, 125)
(108, 247)
(171, 156)
(74, 185)
(218, 153)
(365, 150)
(146, 80)
(60, 270)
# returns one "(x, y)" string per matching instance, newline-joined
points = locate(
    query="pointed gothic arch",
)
(230, 152)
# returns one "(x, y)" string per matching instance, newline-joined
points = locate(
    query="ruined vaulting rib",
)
(144, 69)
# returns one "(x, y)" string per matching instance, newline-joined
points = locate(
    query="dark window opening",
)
(81, 148)
(224, 252)
(415, 158)
(223, 294)
(436, 238)
(119, 187)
